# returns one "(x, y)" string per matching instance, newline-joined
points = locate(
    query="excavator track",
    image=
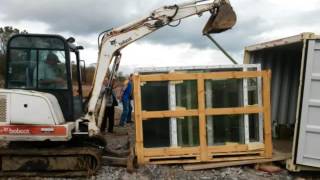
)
(79, 157)
(50, 162)
(53, 162)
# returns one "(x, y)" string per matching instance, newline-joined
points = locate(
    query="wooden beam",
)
(228, 148)
(151, 152)
(169, 77)
(239, 153)
(193, 167)
(237, 110)
(163, 114)
(267, 114)
(138, 119)
(180, 161)
(147, 115)
(195, 76)
(232, 75)
(202, 120)
(255, 146)
(234, 158)
(245, 122)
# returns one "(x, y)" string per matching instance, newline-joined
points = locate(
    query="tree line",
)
(5, 33)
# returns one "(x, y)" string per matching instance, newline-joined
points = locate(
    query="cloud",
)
(258, 20)
(171, 55)
(77, 16)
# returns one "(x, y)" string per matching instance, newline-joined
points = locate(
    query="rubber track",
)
(93, 153)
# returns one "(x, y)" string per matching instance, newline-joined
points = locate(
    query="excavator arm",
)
(222, 18)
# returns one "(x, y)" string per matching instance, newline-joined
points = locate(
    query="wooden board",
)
(137, 116)
(267, 114)
(276, 157)
(202, 121)
(166, 152)
(195, 76)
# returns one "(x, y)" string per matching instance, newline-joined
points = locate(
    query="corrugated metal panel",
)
(293, 97)
(275, 87)
(284, 93)
(284, 63)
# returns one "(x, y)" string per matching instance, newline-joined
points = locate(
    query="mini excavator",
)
(44, 127)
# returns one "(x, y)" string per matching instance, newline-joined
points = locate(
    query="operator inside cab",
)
(49, 74)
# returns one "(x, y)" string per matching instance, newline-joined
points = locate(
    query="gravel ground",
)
(170, 172)
(175, 172)
(119, 139)
(163, 172)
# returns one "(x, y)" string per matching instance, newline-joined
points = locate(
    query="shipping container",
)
(295, 95)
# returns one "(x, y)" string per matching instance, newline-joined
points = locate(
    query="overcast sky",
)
(258, 21)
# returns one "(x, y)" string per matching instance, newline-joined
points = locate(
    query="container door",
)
(309, 136)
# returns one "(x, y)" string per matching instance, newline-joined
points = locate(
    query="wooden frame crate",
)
(203, 152)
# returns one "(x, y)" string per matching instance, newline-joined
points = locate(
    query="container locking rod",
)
(221, 49)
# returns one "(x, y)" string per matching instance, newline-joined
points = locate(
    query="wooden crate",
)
(203, 152)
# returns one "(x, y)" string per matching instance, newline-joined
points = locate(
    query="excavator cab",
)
(42, 63)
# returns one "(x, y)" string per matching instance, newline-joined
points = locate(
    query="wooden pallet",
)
(202, 166)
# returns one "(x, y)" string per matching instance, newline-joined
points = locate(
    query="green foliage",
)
(2, 69)
(5, 33)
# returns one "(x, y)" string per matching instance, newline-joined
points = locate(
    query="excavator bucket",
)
(223, 19)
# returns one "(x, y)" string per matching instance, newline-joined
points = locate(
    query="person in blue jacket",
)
(126, 102)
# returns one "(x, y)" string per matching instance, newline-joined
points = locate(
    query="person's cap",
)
(52, 56)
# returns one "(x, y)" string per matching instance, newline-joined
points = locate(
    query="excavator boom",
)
(222, 18)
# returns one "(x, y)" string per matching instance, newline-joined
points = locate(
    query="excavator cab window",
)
(51, 72)
(41, 63)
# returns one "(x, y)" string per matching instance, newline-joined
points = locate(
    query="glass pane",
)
(224, 93)
(187, 95)
(225, 129)
(21, 66)
(188, 131)
(156, 133)
(51, 70)
(154, 96)
(37, 42)
(254, 127)
(252, 91)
